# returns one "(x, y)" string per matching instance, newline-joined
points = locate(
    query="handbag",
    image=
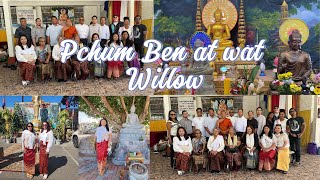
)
(312, 148)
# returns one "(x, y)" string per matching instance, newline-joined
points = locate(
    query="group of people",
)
(227, 141)
(41, 46)
(31, 143)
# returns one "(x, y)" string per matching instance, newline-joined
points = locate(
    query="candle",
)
(227, 86)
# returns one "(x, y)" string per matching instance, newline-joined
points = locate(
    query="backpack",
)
(312, 148)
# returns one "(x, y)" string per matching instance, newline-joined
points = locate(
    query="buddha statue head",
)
(295, 40)
(133, 109)
(218, 15)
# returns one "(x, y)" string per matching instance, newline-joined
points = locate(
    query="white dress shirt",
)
(24, 55)
(198, 122)
(215, 144)
(46, 137)
(240, 124)
(83, 31)
(104, 32)
(261, 122)
(54, 31)
(210, 123)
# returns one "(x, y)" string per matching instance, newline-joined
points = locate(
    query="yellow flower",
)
(317, 89)
(295, 88)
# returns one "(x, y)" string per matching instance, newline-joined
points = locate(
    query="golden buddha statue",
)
(220, 31)
(36, 100)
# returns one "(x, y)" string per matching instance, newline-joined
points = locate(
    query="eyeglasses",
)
(115, 16)
(172, 114)
(291, 111)
(29, 126)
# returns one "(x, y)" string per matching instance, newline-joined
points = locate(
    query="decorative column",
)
(9, 32)
(198, 17)
(131, 12)
(241, 27)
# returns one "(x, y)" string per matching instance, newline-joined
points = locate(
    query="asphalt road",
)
(63, 164)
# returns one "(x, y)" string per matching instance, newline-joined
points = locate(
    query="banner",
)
(186, 104)
(25, 12)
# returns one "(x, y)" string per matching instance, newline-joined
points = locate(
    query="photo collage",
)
(159, 89)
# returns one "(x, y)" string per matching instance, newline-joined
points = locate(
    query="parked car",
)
(76, 138)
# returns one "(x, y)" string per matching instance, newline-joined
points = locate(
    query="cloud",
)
(311, 18)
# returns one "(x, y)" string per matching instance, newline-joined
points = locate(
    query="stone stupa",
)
(132, 139)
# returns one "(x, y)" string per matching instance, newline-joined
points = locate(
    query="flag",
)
(3, 102)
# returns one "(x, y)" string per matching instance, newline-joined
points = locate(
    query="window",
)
(2, 24)
(47, 13)
(209, 102)
(156, 108)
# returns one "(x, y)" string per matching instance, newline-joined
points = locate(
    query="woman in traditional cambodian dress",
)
(251, 144)
(182, 146)
(29, 142)
(115, 67)
(267, 152)
(45, 144)
(99, 66)
(172, 128)
(103, 141)
(80, 67)
(44, 55)
(199, 155)
(283, 149)
(216, 146)
(26, 55)
(233, 153)
(62, 69)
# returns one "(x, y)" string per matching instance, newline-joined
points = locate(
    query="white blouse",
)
(215, 144)
(24, 55)
(56, 52)
(129, 30)
(281, 138)
(45, 137)
(183, 145)
(267, 142)
(102, 134)
(28, 139)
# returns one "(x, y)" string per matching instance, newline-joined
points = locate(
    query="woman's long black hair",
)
(175, 120)
(269, 134)
(31, 125)
(128, 42)
(20, 44)
(185, 133)
(107, 127)
(280, 128)
(111, 39)
(48, 126)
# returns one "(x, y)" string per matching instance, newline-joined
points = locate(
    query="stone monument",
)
(132, 139)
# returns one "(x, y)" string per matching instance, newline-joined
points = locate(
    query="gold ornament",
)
(289, 25)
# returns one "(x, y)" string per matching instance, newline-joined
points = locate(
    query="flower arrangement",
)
(313, 85)
(285, 76)
(239, 86)
(295, 89)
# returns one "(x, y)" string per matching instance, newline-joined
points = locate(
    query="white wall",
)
(250, 103)
(89, 11)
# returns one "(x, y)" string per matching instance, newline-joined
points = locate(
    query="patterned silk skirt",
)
(43, 158)
(102, 154)
(29, 159)
(182, 162)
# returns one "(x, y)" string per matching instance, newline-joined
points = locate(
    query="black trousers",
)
(139, 50)
(295, 144)
(171, 153)
(84, 41)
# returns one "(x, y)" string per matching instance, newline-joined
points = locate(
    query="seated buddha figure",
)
(220, 31)
(295, 60)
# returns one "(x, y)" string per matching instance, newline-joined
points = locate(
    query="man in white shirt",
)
(261, 120)
(94, 27)
(83, 31)
(240, 123)
(53, 32)
(230, 115)
(209, 124)
(197, 122)
(104, 31)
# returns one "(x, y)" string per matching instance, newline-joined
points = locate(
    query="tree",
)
(115, 108)
(2, 124)
(17, 119)
(63, 121)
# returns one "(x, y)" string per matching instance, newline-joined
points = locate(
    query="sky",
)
(84, 118)
(10, 100)
(311, 18)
